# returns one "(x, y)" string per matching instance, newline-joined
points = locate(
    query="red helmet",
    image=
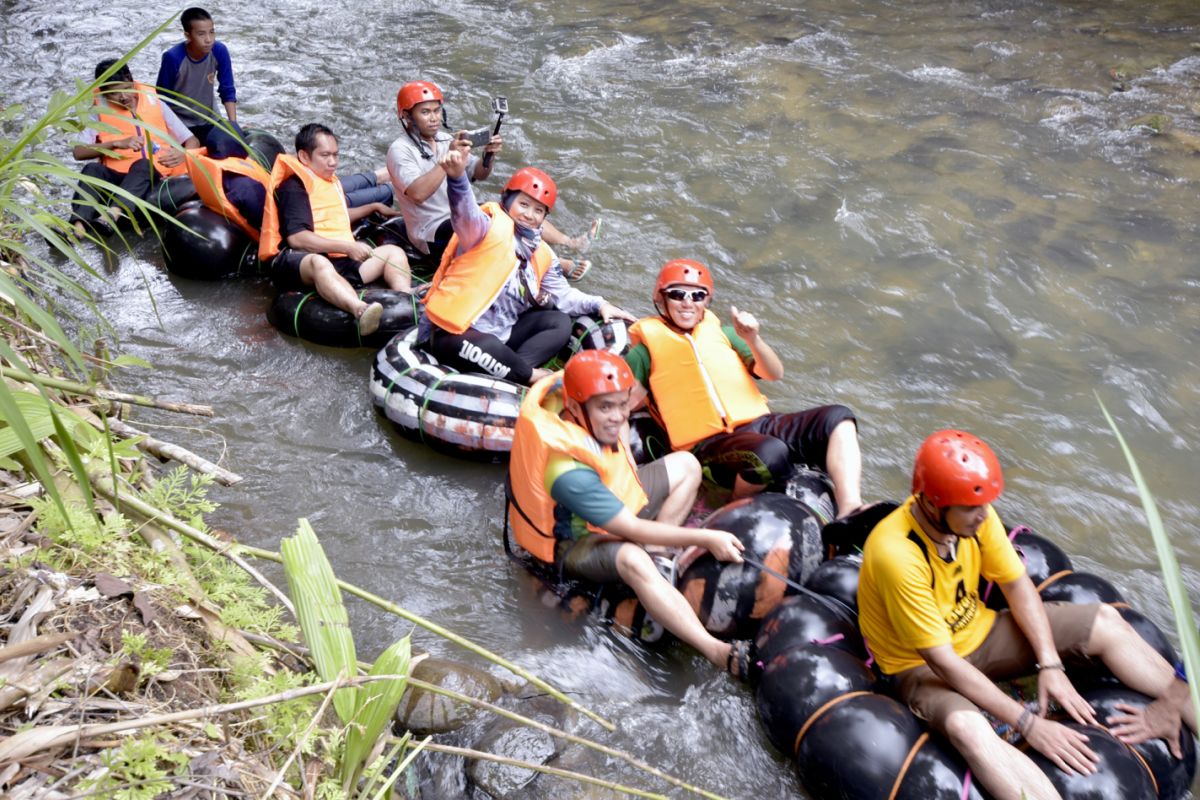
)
(954, 468)
(415, 92)
(593, 372)
(535, 183)
(683, 270)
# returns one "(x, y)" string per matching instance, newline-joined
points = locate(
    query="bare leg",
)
(844, 462)
(316, 270)
(389, 261)
(1002, 769)
(1135, 663)
(666, 605)
(683, 474)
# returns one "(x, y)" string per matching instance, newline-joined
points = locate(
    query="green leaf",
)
(1185, 623)
(131, 361)
(377, 704)
(322, 616)
(33, 409)
(16, 421)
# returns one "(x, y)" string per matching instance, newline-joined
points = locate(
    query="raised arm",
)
(766, 363)
(469, 223)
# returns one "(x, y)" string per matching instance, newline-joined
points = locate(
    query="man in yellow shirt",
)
(941, 647)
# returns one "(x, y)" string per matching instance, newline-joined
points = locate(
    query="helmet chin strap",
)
(581, 419)
(938, 523)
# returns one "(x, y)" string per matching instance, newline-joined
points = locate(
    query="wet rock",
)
(1154, 123)
(507, 738)
(424, 712)
(504, 781)
(575, 758)
(1189, 141)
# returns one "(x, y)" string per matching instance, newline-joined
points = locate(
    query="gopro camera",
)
(479, 137)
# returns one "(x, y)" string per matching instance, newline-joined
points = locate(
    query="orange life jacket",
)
(698, 383)
(146, 121)
(331, 218)
(541, 432)
(208, 174)
(465, 286)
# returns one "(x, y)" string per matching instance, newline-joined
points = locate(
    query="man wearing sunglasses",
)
(699, 377)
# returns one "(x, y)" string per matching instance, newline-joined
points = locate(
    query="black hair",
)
(306, 139)
(191, 15)
(122, 75)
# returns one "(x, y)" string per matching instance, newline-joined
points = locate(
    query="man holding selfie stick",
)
(419, 183)
(412, 163)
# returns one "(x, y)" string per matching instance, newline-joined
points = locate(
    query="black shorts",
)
(763, 450)
(285, 270)
(594, 557)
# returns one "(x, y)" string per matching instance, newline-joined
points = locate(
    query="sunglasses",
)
(679, 295)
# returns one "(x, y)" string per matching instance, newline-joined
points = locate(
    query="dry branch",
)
(47, 641)
(26, 743)
(166, 450)
(74, 387)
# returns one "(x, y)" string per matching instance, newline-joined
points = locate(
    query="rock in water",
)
(424, 712)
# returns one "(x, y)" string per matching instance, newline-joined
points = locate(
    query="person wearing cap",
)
(940, 647)
(579, 505)
(134, 142)
(699, 379)
(306, 239)
(419, 182)
(499, 303)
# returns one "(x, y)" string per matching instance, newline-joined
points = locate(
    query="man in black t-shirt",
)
(323, 254)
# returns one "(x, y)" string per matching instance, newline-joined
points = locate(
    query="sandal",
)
(743, 662)
(575, 270)
(368, 320)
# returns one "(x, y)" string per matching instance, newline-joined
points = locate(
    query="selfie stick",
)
(500, 106)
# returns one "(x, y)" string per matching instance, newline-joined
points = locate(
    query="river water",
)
(943, 213)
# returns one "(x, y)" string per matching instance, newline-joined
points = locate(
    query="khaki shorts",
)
(594, 557)
(1005, 654)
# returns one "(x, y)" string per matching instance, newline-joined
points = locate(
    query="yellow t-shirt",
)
(909, 598)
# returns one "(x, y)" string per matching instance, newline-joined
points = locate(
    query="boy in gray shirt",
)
(190, 70)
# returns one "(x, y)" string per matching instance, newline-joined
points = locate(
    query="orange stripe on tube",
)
(816, 714)
(1056, 576)
(912, 753)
